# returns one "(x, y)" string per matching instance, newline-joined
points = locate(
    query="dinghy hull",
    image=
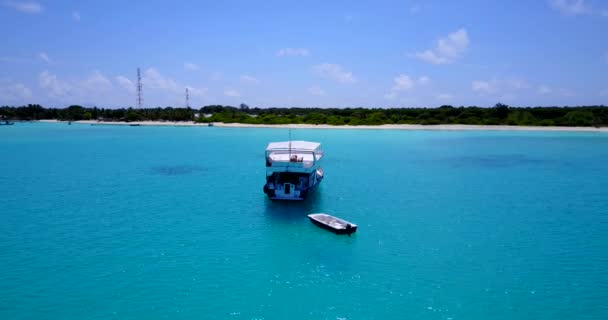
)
(333, 224)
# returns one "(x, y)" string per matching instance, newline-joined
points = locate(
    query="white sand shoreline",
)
(441, 127)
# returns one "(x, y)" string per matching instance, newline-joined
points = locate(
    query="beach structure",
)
(332, 223)
(293, 169)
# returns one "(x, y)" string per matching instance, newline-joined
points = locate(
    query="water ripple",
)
(495, 160)
(177, 170)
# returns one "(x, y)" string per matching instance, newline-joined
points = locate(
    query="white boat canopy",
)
(305, 146)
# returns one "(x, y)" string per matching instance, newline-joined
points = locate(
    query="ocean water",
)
(102, 222)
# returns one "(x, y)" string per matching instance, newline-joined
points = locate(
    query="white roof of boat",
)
(295, 145)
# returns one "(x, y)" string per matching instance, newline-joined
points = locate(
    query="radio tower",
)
(187, 98)
(140, 99)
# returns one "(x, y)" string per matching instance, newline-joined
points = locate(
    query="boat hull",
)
(301, 196)
(328, 228)
(333, 224)
(280, 192)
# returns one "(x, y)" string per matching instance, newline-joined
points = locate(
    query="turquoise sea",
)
(103, 222)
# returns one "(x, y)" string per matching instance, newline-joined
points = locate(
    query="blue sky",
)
(305, 53)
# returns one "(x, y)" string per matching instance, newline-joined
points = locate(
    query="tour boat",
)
(332, 223)
(292, 169)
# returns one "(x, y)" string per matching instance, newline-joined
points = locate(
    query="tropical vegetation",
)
(500, 114)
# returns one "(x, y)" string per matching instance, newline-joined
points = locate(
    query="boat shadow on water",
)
(286, 211)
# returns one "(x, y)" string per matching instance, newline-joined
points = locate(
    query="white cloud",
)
(448, 49)
(544, 89)
(402, 82)
(44, 57)
(95, 86)
(249, 79)
(334, 72)
(54, 86)
(76, 16)
(430, 57)
(231, 93)
(495, 86)
(191, 66)
(293, 52)
(98, 89)
(16, 92)
(570, 7)
(153, 79)
(24, 6)
(424, 80)
(483, 87)
(97, 81)
(125, 83)
(316, 91)
(197, 91)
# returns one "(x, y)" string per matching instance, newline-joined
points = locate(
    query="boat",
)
(332, 223)
(293, 169)
(134, 125)
(6, 123)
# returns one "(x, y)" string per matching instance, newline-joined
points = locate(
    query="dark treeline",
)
(500, 114)
(74, 113)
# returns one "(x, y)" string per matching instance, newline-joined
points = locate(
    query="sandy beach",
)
(443, 127)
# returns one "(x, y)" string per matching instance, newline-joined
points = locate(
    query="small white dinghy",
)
(332, 223)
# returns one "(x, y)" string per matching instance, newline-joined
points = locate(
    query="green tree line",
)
(500, 114)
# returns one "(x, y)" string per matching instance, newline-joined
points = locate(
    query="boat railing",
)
(278, 163)
(294, 158)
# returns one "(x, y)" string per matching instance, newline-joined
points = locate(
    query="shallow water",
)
(163, 222)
